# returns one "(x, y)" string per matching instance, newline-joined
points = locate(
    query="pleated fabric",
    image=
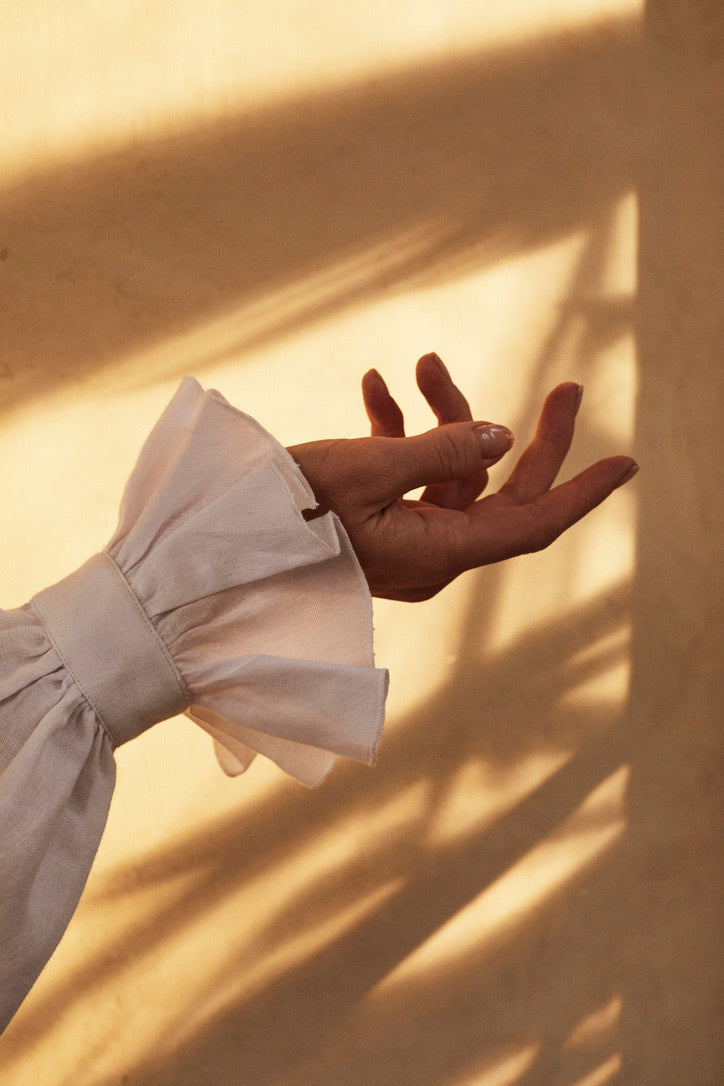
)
(215, 597)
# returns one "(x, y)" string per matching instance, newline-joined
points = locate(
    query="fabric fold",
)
(229, 571)
(215, 595)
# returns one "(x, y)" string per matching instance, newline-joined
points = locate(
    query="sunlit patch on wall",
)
(280, 313)
(546, 870)
(599, 672)
(598, 1026)
(165, 67)
(503, 1070)
(478, 794)
(602, 1075)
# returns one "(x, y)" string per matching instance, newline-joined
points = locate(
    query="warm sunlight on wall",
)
(275, 198)
(82, 77)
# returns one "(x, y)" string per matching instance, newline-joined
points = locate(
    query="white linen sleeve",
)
(215, 597)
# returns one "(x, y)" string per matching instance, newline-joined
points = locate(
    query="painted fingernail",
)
(579, 397)
(629, 474)
(493, 438)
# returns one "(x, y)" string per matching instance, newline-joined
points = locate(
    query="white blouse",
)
(215, 598)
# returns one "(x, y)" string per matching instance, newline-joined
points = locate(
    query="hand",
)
(409, 550)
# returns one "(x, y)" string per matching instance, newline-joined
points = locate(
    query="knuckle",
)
(508, 489)
(447, 454)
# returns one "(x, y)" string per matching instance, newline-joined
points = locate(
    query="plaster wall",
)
(526, 889)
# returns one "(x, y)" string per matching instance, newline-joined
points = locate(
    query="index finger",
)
(446, 401)
(384, 413)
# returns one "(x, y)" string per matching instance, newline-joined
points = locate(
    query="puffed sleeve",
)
(215, 597)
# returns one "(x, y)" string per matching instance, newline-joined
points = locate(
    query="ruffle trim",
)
(267, 615)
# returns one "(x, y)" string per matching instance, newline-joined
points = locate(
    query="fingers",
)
(444, 397)
(499, 531)
(385, 416)
(541, 461)
(448, 404)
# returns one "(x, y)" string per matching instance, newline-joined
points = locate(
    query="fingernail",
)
(440, 364)
(493, 438)
(579, 397)
(629, 474)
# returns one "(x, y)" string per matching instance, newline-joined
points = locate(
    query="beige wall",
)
(274, 197)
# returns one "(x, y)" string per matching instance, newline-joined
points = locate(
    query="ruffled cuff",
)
(227, 604)
(215, 597)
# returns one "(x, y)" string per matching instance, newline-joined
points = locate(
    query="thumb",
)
(453, 451)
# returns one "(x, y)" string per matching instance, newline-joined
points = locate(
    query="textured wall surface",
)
(527, 888)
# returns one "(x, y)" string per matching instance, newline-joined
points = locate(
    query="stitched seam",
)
(157, 637)
(72, 674)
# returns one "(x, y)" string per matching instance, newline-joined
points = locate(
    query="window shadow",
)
(382, 161)
(495, 722)
(289, 213)
(295, 1018)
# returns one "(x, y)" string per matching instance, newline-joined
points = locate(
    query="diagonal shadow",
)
(374, 164)
(649, 910)
(280, 827)
(437, 882)
(407, 178)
